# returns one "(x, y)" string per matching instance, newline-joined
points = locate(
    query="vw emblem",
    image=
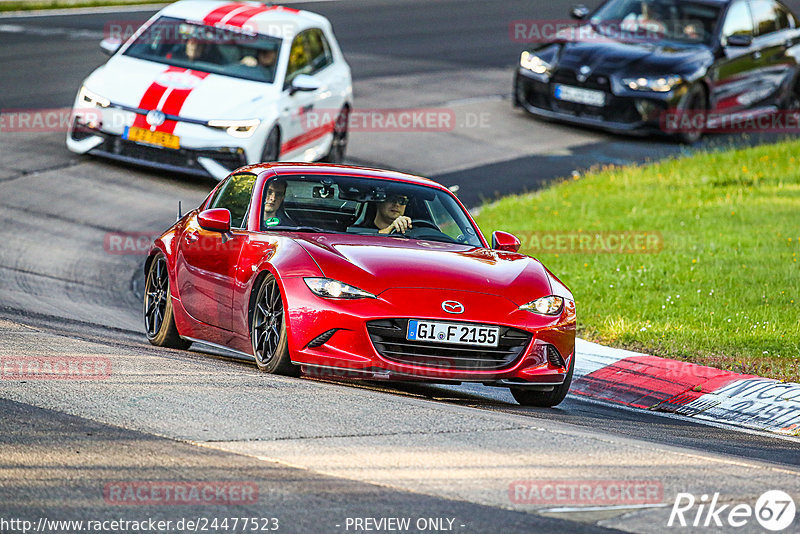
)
(451, 306)
(583, 73)
(155, 117)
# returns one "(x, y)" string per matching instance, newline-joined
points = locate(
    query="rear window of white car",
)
(195, 46)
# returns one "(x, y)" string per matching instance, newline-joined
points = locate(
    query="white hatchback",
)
(207, 86)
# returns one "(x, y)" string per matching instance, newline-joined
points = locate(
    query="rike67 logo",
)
(774, 511)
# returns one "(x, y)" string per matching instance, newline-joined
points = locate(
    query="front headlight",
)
(658, 84)
(86, 98)
(534, 63)
(550, 305)
(241, 129)
(333, 289)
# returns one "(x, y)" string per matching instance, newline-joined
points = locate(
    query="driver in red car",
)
(390, 216)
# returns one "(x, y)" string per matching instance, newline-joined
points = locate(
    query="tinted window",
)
(234, 195)
(319, 50)
(737, 21)
(769, 16)
(190, 45)
(299, 60)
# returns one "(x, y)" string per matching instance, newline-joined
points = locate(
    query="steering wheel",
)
(415, 223)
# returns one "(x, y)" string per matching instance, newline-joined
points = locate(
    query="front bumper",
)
(627, 114)
(366, 338)
(215, 162)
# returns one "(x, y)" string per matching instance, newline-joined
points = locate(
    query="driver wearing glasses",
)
(390, 216)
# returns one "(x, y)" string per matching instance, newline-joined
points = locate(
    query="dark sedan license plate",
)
(460, 334)
(590, 97)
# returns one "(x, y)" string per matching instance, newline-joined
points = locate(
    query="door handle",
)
(307, 108)
(191, 237)
(757, 54)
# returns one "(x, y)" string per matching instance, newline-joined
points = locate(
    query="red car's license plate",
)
(461, 334)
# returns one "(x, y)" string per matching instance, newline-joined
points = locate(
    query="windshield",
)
(195, 46)
(657, 20)
(354, 205)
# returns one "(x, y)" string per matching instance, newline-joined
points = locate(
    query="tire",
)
(339, 143)
(159, 320)
(792, 102)
(272, 146)
(268, 330)
(545, 399)
(693, 102)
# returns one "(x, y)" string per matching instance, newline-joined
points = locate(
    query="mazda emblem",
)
(452, 306)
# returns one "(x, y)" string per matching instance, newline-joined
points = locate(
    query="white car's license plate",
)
(579, 95)
(461, 334)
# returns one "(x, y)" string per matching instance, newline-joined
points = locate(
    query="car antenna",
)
(180, 215)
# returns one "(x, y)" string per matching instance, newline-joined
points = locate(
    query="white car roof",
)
(257, 17)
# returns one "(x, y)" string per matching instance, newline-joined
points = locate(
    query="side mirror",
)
(739, 40)
(303, 82)
(579, 12)
(110, 45)
(215, 220)
(505, 242)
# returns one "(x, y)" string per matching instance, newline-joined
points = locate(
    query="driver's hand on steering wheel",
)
(400, 224)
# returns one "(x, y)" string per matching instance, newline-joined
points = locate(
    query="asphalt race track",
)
(319, 453)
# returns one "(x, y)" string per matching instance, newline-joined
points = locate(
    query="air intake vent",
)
(389, 339)
(554, 357)
(322, 338)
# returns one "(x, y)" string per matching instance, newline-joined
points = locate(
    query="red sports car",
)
(346, 271)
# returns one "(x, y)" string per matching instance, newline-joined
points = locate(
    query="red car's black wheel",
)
(268, 331)
(159, 321)
(545, 399)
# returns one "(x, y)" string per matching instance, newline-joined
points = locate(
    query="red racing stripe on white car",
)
(167, 99)
(152, 96)
(221, 12)
(306, 138)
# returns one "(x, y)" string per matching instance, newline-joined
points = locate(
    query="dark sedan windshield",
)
(657, 20)
(349, 204)
(194, 46)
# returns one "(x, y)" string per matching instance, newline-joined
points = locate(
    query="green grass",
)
(723, 291)
(59, 4)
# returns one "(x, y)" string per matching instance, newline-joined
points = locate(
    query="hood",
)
(401, 263)
(125, 80)
(608, 57)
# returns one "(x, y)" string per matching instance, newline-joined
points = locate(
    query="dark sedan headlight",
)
(334, 289)
(535, 64)
(549, 305)
(656, 84)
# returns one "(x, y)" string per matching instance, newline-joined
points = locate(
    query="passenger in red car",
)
(273, 214)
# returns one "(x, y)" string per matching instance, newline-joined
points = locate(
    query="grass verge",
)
(717, 281)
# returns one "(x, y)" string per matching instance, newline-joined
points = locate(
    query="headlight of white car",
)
(534, 63)
(550, 305)
(658, 84)
(241, 129)
(333, 289)
(86, 98)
